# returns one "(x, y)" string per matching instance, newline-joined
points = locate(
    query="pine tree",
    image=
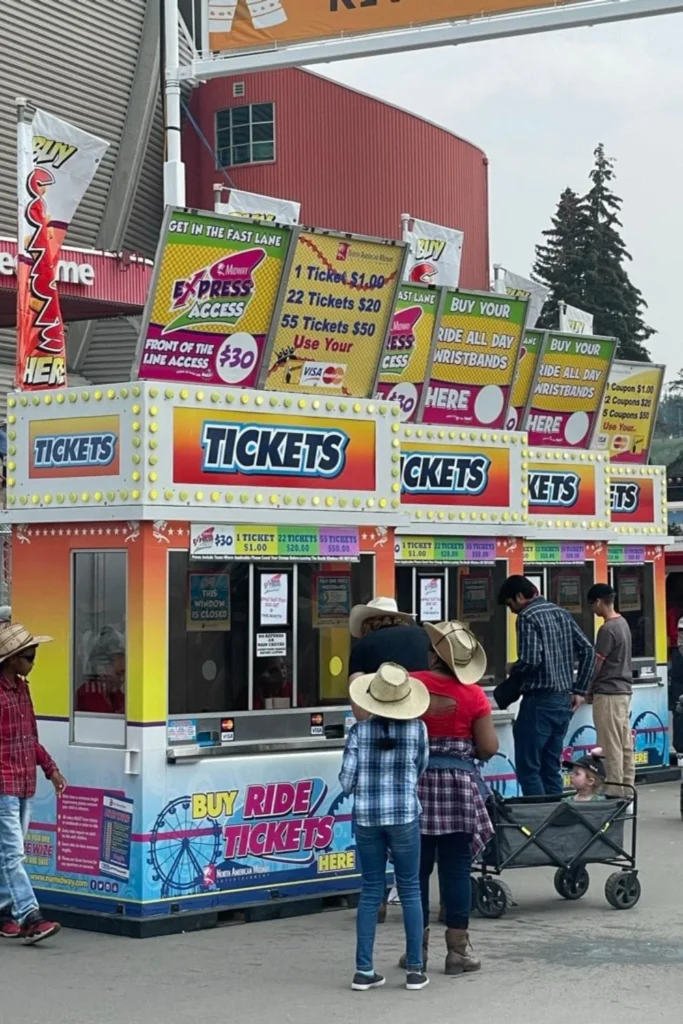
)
(561, 261)
(583, 264)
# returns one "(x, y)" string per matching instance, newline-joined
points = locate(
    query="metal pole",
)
(174, 168)
(498, 280)
(217, 197)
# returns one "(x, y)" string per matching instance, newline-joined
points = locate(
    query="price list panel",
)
(335, 309)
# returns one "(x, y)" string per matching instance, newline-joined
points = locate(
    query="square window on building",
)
(245, 135)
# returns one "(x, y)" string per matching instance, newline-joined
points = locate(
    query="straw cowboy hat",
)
(377, 608)
(390, 693)
(15, 638)
(459, 648)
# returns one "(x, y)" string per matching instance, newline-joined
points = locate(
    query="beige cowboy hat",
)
(15, 638)
(390, 692)
(377, 608)
(459, 648)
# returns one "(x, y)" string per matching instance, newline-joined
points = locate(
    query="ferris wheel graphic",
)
(183, 850)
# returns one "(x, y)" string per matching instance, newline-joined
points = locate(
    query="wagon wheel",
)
(622, 890)
(571, 885)
(491, 898)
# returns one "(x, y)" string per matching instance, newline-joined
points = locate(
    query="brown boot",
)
(403, 962)
(460, 958)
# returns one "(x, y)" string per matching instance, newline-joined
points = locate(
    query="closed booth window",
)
(635, 599)
(99, 644)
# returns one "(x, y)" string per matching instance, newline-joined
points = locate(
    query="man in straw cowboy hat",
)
(455, 824)
(548, 643)
(20, 755)
(385, 755)
(385, 634)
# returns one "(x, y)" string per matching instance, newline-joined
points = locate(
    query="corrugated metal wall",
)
(77, 61)
(354, 162)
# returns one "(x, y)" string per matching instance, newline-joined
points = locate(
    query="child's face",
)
(581, 780)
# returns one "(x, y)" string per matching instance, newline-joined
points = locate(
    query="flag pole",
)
(174, 168)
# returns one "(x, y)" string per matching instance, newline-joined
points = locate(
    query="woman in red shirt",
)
(455, 824)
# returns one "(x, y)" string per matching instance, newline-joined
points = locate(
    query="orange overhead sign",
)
(243, 24)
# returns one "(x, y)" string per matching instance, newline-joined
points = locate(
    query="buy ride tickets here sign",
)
(336, 308)
(571, 378)
(629, 411)
(407, 350)
(446, 549)
(474, 363)
(212, 301)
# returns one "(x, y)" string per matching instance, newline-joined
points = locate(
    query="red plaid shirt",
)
(20, 750)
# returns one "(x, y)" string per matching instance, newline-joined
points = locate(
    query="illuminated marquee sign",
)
(427, 473)
(481, 475)
(299, 451)
(268, 450)
(552, 488)
(566, 490)
(636, 501)
(78, 447)
(625, 497)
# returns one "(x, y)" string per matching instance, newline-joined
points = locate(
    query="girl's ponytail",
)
(386, 742)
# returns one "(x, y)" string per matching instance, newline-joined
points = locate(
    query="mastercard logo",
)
(333, 376)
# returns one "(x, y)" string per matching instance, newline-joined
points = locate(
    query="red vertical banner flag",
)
(55, 164)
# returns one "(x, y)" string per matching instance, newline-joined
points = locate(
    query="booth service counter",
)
(195, 697)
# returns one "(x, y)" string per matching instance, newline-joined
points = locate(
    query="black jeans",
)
(455, 868)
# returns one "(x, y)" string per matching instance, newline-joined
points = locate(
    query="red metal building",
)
(354, 163)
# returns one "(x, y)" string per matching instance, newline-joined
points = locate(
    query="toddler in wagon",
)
(588, 777)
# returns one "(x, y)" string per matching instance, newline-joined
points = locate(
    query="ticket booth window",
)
(568, 586)
(99, 647)
(468, 593)
(260, 636)
(635, 600)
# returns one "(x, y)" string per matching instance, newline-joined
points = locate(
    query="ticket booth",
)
(202, 554)
(467, 495)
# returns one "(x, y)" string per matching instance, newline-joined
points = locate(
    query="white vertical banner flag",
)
(55, 164)
(253, 206)
(518, 287)
(574, 320)
(434, 253)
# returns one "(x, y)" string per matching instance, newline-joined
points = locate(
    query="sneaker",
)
(9, 929)
(415, 980)
(35, 929)
(364, 982)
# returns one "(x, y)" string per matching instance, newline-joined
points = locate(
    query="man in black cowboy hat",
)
(20, 755)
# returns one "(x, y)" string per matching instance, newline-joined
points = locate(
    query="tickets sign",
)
(335, 310)
(629, 410)
(212, 299)
(408, 349)
(635, 500)
(568, 389)
(475, 359)
(433, 474)
(84, 446)
(562, 490)
(234, 449)
(544, 553)
(524, 377)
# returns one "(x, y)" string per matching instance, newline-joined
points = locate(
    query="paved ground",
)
(546, 960)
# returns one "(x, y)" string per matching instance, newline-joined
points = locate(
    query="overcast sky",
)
(538, 106)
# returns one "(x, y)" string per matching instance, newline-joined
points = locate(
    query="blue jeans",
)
(455, 868)
(16, 891)
(539, 733)
(373, 845)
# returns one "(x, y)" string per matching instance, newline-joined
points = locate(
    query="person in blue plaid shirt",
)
(549, 643)
(386, 752)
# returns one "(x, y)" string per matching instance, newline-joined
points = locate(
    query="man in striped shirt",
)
(549, 643)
